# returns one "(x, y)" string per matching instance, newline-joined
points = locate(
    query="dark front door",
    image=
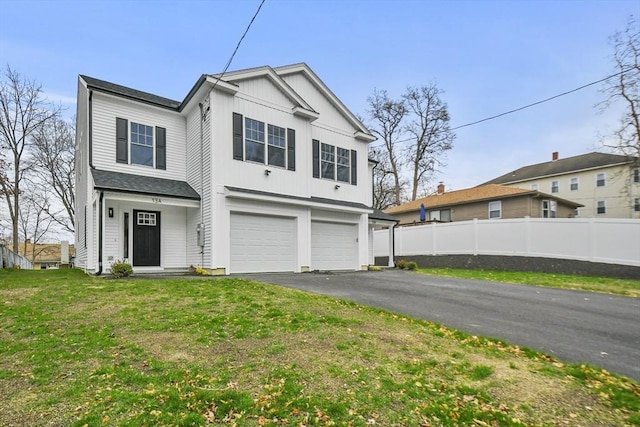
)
(146, 238)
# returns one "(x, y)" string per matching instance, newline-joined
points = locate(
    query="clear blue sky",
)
(488, 56)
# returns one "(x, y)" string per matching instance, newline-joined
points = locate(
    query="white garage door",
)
(334, 246)
(262, 243)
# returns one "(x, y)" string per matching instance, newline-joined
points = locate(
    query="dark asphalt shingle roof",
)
(305, 199)
(562, 166)
(378, 214)
(131, 93)
(139, 184)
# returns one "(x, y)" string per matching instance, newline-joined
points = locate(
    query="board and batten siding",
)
(329, 115)
(105, 111)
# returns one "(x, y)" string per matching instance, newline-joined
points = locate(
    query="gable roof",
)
(362, 132)
(127, 92)
(474, 194)
(139, 184)
(562, 166)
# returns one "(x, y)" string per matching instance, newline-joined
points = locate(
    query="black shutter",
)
(161, 148)
(316, 158)
(354, 167)
(122, 141)
(238, 152)
(291, 149)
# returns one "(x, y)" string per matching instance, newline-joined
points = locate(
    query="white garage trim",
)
(261, 243)
(334, 246)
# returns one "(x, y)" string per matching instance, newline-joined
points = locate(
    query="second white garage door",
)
(334, 246)
(262, 243)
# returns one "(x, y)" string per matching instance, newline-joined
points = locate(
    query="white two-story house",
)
(259, 170)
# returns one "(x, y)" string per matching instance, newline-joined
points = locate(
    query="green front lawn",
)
(78, 350)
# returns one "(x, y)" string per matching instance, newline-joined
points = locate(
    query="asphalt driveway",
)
(574, 326)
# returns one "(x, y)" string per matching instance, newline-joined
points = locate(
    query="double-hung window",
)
(554, 186)
(343, 169)
(601, 208)
(263, 143)
(636, 204)
(140, 144)
(574, 184)
(636, 175)
(495, 209)
(334, 163)
(277, 146)
(254, 140)
(600, 180)
(549, 208)
(328, 161)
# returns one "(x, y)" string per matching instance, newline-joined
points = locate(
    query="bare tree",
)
(53, 156)
(22, 112)
(34, 222)
(383, 183)
(386, 116)
(430, 132)
(624, 88)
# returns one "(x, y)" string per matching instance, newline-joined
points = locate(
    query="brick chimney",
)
(440, 188)
(554, 156)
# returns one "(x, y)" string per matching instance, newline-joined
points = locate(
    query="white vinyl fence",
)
(610, 240)
(9, 259)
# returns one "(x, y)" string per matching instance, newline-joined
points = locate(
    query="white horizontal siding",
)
(105, 110)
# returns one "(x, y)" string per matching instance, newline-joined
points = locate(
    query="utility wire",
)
(226, 67)
(532, 104)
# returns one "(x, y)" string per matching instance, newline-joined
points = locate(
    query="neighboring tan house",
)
(608, 185)
(259, 170)
(484, 202)
(48, 255)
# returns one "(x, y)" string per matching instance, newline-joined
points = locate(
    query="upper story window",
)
(636, 175)
(328, 161)
(276, 147)
(574, 184)
(140, 144)
(601, 207)
(600, 180)
(335, 163)
(636, 204)
(534, 187)
(549, 208)
(554, 186)
(495, 209)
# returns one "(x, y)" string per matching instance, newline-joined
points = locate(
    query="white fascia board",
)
(382, 222)
(319, 84)
(157, 200)
(293, 202)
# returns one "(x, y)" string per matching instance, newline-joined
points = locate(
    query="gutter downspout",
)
(99, 272)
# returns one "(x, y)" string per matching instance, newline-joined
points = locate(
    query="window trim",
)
(604, 179)
(555, 186)
(499, 209)
(124, 144)
(549, 208)
(598, 207)
(140, 144)
(636, 204)
(635, 175)
(240, 140)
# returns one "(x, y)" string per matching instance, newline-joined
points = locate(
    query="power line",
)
(532, 104)
(226, 67)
